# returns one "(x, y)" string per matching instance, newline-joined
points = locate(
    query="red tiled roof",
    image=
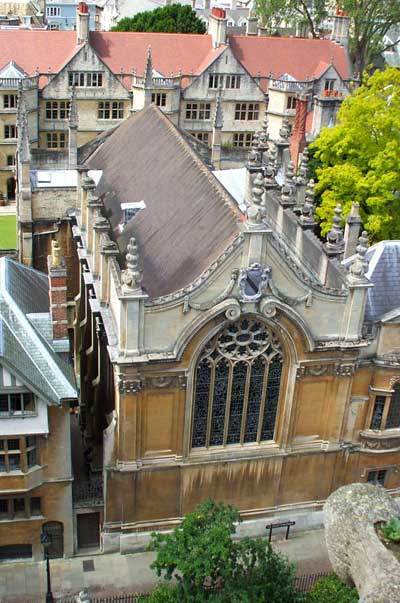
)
(171, 53)
(298, 56)
(37, 49)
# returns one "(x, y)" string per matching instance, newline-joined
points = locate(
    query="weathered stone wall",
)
(355, 551)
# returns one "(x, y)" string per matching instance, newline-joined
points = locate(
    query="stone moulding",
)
(336, 369)
(162, 381)
(380, 441)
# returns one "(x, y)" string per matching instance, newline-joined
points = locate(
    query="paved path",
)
(24, 582)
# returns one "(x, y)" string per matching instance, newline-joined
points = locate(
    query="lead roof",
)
(189, 218)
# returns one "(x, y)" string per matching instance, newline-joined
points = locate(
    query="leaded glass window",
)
(237, 386)
(393, 418)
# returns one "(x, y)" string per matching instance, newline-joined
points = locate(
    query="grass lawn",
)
(8, 232)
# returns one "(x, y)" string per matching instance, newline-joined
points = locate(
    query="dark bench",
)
(283, 524)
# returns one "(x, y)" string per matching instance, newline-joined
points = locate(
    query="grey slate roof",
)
(189, 218)
(22, 347)
(384, 273)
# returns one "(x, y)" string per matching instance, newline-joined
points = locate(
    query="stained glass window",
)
(237, 386)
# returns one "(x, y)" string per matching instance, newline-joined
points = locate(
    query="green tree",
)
(331, 590)
(302, 12)
(208, 566)
(360, 157)
(173, 18)
(370, 20)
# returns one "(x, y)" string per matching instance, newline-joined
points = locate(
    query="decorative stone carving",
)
(131, 277)
(130, 386)
(284, 132)
(302, 172)
(288, 190)
(321, 369)
(380, 440)
(172, 381)
(256, 210)
(359, 268)
(393, 380)
(216, 300)
(307, 219)
(334, 239)
(355, 551)
(253, 281)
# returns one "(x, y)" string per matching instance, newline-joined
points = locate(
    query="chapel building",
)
(225, 353)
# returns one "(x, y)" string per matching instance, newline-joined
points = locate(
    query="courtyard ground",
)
(24, 582)
(8, 231)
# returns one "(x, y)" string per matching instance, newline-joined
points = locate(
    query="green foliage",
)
(310, 12)
(370, 21)
(360, 157)
(163, 593)
(209, 567)
(392, 529)
(8, 232)
(331, 590)
(173, 18)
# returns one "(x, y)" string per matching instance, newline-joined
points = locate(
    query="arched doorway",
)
(11, 188)
(55, 529)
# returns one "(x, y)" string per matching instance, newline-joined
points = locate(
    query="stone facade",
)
(141, 388)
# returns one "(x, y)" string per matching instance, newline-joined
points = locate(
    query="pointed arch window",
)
(237, 386)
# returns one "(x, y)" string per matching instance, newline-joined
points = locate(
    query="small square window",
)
(3, 506)
(14, 462)
(377, 477)
(13, 444)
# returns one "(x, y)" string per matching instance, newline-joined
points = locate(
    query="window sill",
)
(19, 519)
(17, 415)
(19, 473)
(234, 452)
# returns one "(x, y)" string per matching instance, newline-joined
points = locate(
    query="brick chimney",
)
(58, 294)
(340, 27)
(217, 24)
(298, 138)
(82, 23)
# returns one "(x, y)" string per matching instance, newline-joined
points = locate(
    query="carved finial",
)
(258, 189)
(269, 172)
(73, 110)
(284, 132)
(308, 209)
(359, 268)
(254, 158)
(334, 237)
(55, 254)
(263, 133)
(302, 172)
(148, 73)
(131, 277)
(288, 198)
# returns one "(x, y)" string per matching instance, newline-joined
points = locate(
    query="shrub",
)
(331, 590)
(392, 529)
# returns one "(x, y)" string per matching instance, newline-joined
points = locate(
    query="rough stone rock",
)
(355, 551)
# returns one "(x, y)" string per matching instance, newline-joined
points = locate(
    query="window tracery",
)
(237, 386)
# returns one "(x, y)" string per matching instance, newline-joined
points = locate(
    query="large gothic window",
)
(237, 386)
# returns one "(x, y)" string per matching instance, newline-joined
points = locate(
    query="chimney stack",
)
(341, 27)
(217, 24)
(58, 295)
(298, 138)
(82, 23)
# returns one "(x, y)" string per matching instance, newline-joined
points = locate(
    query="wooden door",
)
(56, 531)
(88, 530)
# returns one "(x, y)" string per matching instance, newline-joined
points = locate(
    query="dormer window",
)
(17, 404)
(329, 85)
(131, 209)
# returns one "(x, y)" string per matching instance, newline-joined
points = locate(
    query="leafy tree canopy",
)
(370, 20)
(173, 18)
(209, 567)
(360, 157)
(331, 590)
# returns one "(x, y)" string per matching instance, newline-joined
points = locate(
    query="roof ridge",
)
(219, 189)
